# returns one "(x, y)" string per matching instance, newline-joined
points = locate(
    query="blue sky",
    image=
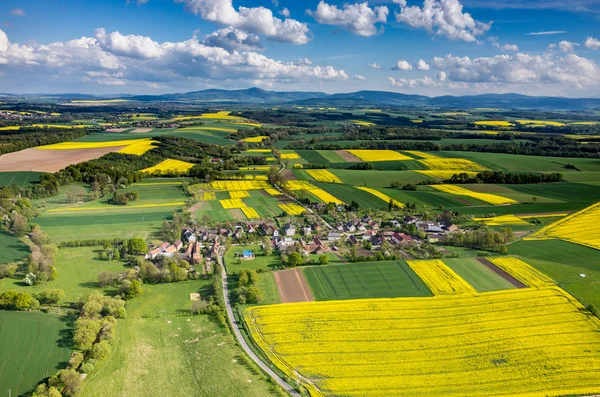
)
(431, 47)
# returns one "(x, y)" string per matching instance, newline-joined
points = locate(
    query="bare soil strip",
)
(289, 175)
(196, 206)
(237, 214)
(141, 130)
(50, 160)
(348, 156)
(284, 199)
(292, 286)
(117, 129)
(516, 283)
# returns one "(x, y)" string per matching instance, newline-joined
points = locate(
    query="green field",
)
(477, 275)
(77, 270)
(364, 280)
(33, 346)
(519, 209)
(159, 350)
(266, 284)
(151, 192)
(566, 192)
(13, 249)
(20, 178)
(260, 261)
(375, 179)
(564, 262)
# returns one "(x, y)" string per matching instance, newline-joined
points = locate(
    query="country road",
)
(238, 334)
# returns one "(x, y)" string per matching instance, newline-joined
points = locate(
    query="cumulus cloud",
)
(402, 65)
(257, 20)
(285, 12)
(443, 18)
(231, 38)
(520, 69)
(374, 66)
(360, 77)
(422, 65)
(503, 47)
(426, 81)
(590, 42)
(567, 46)
(113, 59)
(18, 12)
(358, 18)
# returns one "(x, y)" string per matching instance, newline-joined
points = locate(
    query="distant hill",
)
(259, 96)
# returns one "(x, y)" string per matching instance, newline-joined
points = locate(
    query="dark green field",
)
(376, 179)
(568, 192)
(33, 346)
(12, 248)
(477, 275)
(364, 280)
(20, 178)
(565, 262)
(519, 209)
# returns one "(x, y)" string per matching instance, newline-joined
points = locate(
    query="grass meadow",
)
(33, 346)
(477, 275)
(19, 178)
(13, 249)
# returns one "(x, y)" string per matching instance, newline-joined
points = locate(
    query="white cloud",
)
(567, 46)
(360, 77)
(546, 33)
(422, 65)
(18, 12)
(443, 18)
(275, 3)
(503, 47)
(358, 18)
(426, 82)
(590, 42)
(258, 20)
(374, 66)
(285, 12)
(304, 61)
(402, 65)
(231, 38)
(520, 69)
(114, 59)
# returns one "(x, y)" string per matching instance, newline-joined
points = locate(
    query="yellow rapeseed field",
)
(439, 278)
(10, 128)
(67, 127)
(205, 128)
(256, 168)
(382, 196)
(292, 209)
(448, 164)
(238, 194)
(169, 165)
(379, 155)
(224, 115)
(487, 197)
(578, 228)
(139, 148)
(272, 191)
(239, 185)
(422, 155)
(255, 139)
(495, 123)
(541, 123)
(209, 196)
(521, 342)
(299, 185)
(132, 146)
(443, 175)
(502, 220)
(232, 203)
(522, 271)
(250, 213)
(289, 156)
(363, 123)
(326, 197)
(324, 176)
(259, 150)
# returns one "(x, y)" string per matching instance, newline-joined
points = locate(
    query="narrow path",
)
(242, 341)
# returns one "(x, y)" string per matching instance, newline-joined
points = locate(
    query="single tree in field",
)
(534, 199)
(294, 259)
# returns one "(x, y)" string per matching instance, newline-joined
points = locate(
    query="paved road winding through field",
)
(242, 341)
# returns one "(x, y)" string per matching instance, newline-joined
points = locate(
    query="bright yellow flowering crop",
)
(521, 342)
(292, 209)
(256, 168)
(448, 164)
(379, 155)
(502, 220)
(250, 213)
(326, 197)
(541, 122)
(382, 196)
(495, 123)
(324, 176)
(289, 156)
(299, 185)
(272, 192)
(487, 197)
(132, 146)
(443, 175)
(255, 139)
(232, 203)
(239, 185)
(439, 278)
(259, 150)
(578, 228)
(363, 123)
(422, 155)
(209, 196)
(238, 194)
(170, 165)
(139, 148)
(522, 271)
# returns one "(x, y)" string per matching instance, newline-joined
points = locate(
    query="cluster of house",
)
(14, 115)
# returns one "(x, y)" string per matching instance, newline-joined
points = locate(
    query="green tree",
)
(137, 246)
(294, 259)
(323, 259)
(51, 296)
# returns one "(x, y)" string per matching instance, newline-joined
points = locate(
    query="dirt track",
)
(348, 156)
(292, 286)
(516, 283)
(50, 160)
